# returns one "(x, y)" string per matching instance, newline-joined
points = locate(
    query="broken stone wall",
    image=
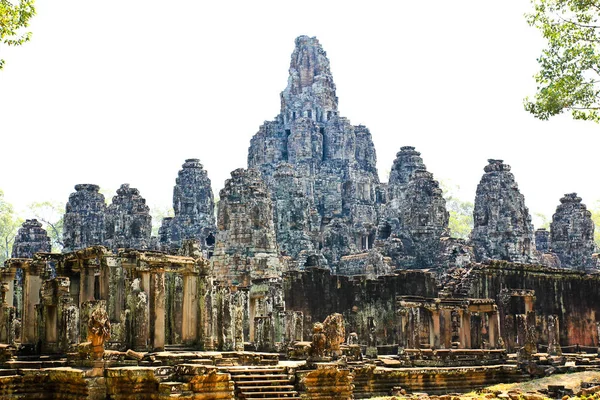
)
(572, 296)
(317, 293)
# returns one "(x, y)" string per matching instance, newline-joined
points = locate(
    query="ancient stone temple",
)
(246, 246)
(84, 220)
(193, 206)
(128, 220)
(572, 233)
(415, 217)
(334, 160)
(502, 224)
(31, 238)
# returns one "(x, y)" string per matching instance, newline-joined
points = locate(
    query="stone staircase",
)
(268, 382)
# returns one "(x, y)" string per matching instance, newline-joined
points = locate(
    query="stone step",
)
(263, 382)
(246, 370)
(263, 377)
(269, 388)
(269, 395)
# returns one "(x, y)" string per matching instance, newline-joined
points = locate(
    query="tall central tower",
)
(334, 162)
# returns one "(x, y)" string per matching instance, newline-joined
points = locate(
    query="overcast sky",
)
(121, 91)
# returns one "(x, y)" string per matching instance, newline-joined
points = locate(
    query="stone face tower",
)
(572, 233)
(502, 224)
(246, 247)
(84, 218)
(415, 214)
(31, 238)
(194, 208)
(128, 220)
(334, 161)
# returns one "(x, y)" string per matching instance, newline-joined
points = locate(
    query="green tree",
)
(461, 212)
(596, 218)
(569, 75)
(9, 225)
(14, 17)
(158, 214)
(51, 215)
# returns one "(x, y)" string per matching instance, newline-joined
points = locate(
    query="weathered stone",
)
(31, 238)
(542, 240)
(245, 246)
(407, 161)
(334, 161)
(572, 233)
(502, 224)
(193, 206)
(297, 222)
(415, 213)
(84, 220)
(128, 220)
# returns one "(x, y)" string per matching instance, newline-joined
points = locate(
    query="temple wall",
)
(318, 294)
(573, 296)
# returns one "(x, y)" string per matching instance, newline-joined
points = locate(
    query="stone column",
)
(32, 283)
(554, 336)
(86, 282)
(190, 314)
(493, 329)
(401, 328)
(434, 332)
(465, 329)
(8, 278)
(446, 328)
(157, 307)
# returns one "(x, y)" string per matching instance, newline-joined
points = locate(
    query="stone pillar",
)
(239, 303)
(446, 328)
(86, 283)
(157, 307)
(434, 332)
(493, 329)
(554, 348)
(189, 326)
(402, 328)
(8, 279)
(465, 329)
(32, 283)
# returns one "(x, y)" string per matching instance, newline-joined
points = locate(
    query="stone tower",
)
(31, 238)
(572, 233)
(193, 206)
(84, 221)
(502, 224)
(542, 240)
(128, 220)
(334, 160)
(246, 246)
(407, 161)
(296, 219)
(415, 213)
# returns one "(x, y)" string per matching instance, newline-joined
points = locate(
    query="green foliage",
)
(51, 215)
(14, 16)
(541, 221)
(461, 212)
(9, 225)
(570, 64)
(596, 218)
(158, 213)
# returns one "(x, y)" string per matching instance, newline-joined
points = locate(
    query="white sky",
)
(121, 91)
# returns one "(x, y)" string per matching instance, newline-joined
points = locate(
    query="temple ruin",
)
(358, 285)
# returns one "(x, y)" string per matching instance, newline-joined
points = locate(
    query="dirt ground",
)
(514, 391)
